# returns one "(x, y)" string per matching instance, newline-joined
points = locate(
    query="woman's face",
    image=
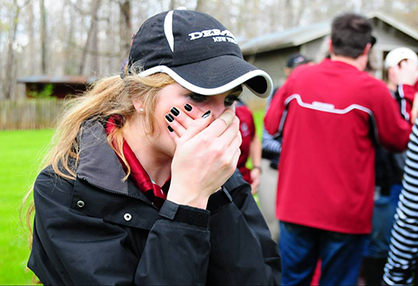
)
(174, 95)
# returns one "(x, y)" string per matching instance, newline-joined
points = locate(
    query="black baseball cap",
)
(197, 51)
(296, 60)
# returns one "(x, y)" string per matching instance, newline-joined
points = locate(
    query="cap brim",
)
(218, 75)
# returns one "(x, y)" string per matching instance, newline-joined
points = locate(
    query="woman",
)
(140, 187)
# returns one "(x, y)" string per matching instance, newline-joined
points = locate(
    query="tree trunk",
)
(1, 58)
(299, 13)
(288, 16)
(94, 7)
(94, 46)
(9, 81)
(173, 5)
(199, 6)
(125, 27)
(30, 27)
(43, 37)
(69, 62)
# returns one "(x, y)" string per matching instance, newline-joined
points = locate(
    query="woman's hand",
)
(206, 156)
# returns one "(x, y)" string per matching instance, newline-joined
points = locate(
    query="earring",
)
(141, 111)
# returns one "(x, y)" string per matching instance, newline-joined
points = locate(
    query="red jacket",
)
(329, 115)
(247, 129)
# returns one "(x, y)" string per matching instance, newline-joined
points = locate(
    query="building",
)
(59, 86)
(270, 52)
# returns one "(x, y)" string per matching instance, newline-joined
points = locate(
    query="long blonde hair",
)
(109, 96)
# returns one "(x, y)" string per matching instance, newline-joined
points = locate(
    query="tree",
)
(94, 7)
(69, 61)
(8, 82)
(87, 36)
(42, 10)
(199, 6)
(125, 26)
(173, 5)
(31, 32)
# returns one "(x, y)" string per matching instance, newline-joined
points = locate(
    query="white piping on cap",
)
(217, 90)
(168, 29)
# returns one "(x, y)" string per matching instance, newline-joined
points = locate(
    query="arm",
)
(392, 129)
(242, 251)
(404, 243)
(271, 146)
(243, 254)
(276, 109)
(406, 93)
(72, 247)
(414, 111)
(255, 155)
(406, 75)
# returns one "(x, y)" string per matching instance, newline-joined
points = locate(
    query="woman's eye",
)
(198, 97)
(230, 100)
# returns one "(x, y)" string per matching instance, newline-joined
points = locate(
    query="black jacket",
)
(101, 230)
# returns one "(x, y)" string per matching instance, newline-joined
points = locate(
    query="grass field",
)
(20, 154)
(258, 121)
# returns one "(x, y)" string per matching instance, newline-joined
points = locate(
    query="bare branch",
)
(86, 14)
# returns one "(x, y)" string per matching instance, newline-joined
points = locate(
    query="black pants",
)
(372, 270)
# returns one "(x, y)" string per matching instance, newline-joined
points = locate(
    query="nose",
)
(217, 105)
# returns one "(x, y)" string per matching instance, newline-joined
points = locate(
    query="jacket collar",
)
(98, 163)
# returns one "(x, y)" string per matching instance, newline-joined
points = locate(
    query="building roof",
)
(56, 79)
(301, 35)
(290, 38)
(404, 28)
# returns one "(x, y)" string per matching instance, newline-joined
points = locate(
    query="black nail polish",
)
(207, 113)
(169, 118)
(188, 107)
(175, 111)
(170, 129)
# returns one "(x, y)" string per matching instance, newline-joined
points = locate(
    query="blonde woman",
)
(141, 186)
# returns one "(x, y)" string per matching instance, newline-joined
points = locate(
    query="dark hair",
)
(350, 34)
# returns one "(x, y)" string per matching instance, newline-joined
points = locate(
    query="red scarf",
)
(138, 174)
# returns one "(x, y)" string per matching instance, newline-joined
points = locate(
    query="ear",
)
(330, 48)
(287, 71)
(138, 106)
(366, 49)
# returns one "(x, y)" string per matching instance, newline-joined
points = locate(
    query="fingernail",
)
(169, 118)
(207, 113)
(188, 107)
(175, 111)
(170, 129)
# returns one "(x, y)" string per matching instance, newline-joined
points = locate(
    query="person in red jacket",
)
(330, 116)
(250, 146)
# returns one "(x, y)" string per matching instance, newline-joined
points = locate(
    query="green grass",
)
(20, 156)
(258, 121)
